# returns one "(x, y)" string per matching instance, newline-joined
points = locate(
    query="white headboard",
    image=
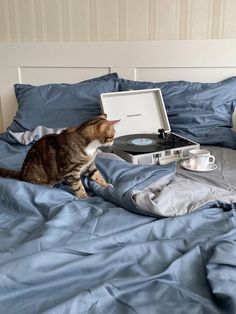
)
(41, 63)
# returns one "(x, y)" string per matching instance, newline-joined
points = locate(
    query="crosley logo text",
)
(133, 115)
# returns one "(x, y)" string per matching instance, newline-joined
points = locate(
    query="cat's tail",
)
(6, 173)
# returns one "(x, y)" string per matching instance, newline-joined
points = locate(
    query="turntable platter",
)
(148, 143)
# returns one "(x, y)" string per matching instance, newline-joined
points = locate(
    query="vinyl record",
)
(137, 143)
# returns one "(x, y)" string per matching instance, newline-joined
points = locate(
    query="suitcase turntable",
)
(143, 134)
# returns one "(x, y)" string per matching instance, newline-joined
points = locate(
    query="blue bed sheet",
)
(59, 254)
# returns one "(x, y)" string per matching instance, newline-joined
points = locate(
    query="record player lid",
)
(140, 111)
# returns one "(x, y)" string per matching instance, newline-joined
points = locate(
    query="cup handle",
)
(211, 159)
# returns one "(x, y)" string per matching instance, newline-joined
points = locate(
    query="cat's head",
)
(98, 129)
(106, 130)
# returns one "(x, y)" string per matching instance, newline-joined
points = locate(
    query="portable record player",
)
(143, 135)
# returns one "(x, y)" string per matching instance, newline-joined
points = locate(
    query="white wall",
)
(79, 20)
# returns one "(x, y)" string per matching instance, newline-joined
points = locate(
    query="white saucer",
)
(185, 164)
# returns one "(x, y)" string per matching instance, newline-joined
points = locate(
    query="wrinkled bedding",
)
(161, 240)
(168, 192)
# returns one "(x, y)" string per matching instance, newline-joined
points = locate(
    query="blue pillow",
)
(60, 105)
(200, 111)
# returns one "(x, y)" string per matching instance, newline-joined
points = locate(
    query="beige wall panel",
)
(152, 32)
(216, 26)
(25, 20)
(40, 26)
(79, 20)
(183, 19)
(167, 19)
(107, 19)
(52, 19)
(199, 19)
(102, 20)
(229, 19)
(136, 20)
(4, 22)
(11, 18)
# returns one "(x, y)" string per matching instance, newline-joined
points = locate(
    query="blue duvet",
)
(59, 254)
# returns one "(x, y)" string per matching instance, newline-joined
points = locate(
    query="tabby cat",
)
(67, 156)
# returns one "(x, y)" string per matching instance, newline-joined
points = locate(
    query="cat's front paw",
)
(109, 186)
(82, 195)
(106, 185)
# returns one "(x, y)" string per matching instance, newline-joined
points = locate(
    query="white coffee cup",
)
(200, 159)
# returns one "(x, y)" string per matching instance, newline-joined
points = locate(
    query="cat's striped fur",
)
(66, 156)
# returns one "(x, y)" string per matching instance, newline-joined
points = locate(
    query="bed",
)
(162, 239)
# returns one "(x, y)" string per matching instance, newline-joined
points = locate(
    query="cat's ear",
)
(108, 123)
(113, 122)
(103, 116)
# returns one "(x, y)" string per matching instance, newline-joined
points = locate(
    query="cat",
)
(67, 156)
